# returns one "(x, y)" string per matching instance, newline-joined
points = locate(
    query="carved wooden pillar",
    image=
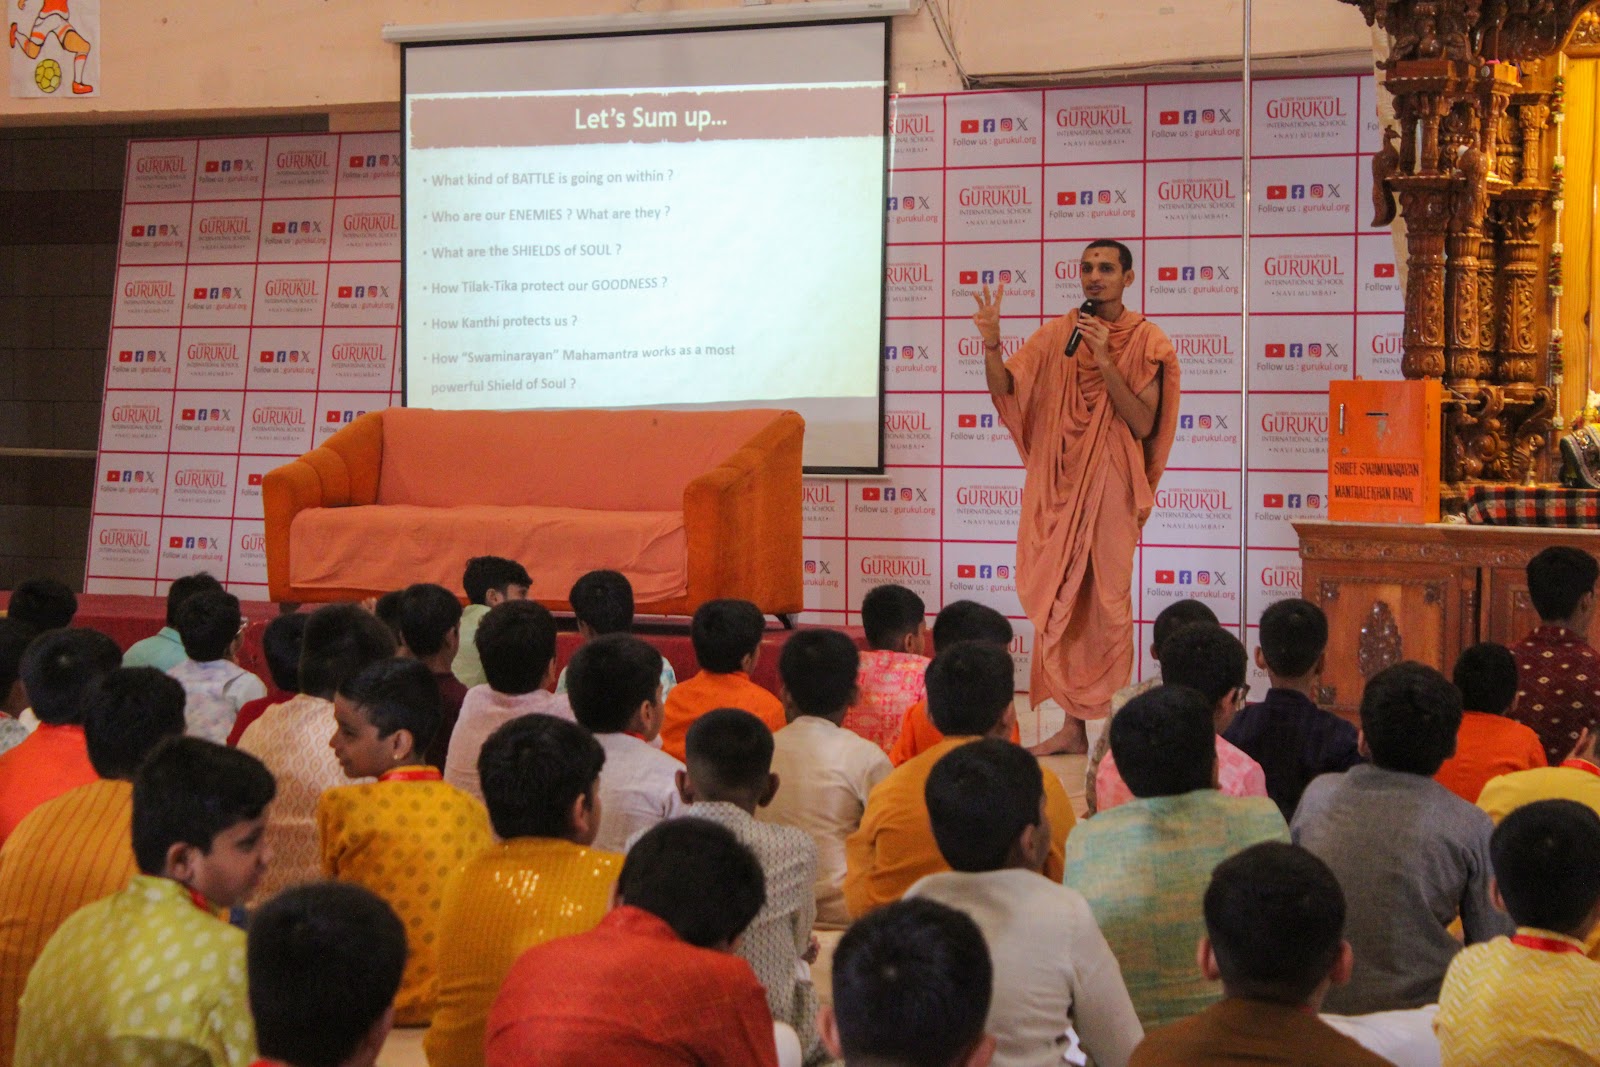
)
(1520, 212)
(1424, 200)
(1464, 364)
(1532, 119)
(1486, 297)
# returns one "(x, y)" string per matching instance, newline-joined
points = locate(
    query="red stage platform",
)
(131, 618)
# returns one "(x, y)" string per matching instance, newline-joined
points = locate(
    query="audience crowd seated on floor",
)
(427, 821)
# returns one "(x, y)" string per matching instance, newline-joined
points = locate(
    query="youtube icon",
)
(969, 277)
(1169, 118)
(1066, 199)
(1276, 351)
(970, 421)
(1167, 274)
(966, 570)
(1277, 192)
(969, 126)
(1165, 577)
(1272, 500)
(1383, 270)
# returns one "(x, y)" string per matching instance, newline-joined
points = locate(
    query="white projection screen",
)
(683, 219)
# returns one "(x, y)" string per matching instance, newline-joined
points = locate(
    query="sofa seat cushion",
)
(388, 546)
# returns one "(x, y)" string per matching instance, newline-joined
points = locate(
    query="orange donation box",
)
(1383, 451)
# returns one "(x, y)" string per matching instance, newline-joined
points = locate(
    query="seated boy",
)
(291, 738)
(1533, 999)
(517, 651)
(602, 601)
(827, 771)
(890, 681)
(150, 975)
(14, 638)
(970, 693)
(403, 835)
(614, 683)
(1274, 924)
(324, 963)
(1052, 967)
(541, 781)
(281, 643)
(42, 603)
(657, 981)
(430, 632)
(487, 581)
(1409, 854)
(1211, 661)
(164, 649)
(1143, 865)
(216, 686)
(1287, 734)
(960, 620)
(729, 775)
(912, 987)
(76, 848)
(58, 669)
(1488, 744)
(727, 643)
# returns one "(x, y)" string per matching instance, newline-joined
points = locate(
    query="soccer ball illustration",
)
(47, 75)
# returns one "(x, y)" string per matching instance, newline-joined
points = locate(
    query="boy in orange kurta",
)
(959, 620)
(727, 643)
(1093, 430)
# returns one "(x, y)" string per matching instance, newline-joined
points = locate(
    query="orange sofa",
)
(691, 506)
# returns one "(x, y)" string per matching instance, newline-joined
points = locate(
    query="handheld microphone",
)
(1087, 308)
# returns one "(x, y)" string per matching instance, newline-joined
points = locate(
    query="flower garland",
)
(1558, 204)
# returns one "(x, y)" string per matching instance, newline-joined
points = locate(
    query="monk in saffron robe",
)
(1093, 430)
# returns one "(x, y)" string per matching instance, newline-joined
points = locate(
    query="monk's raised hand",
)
(987, 318)
(1096, 337)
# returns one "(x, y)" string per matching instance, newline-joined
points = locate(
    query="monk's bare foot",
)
(1070, 740)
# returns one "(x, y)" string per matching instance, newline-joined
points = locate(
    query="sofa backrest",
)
(636, 460)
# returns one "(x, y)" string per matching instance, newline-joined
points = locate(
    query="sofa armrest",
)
(743, 522)
(341, 473)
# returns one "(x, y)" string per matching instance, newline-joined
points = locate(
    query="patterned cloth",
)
(502, 902)
(1517, 505)
(1237, 775)
(1254, 1032)
(403, 837)
(292, 740)
(1488, 746)
(781, 932)
(707, 691)
(141, 979)
(825, 774)
(1294, 741)
(68, 852)
(1510, 1003)
(214, 692)
(669, 678)
(638, 788)
(253, 710)
(1560, 694)
(1144, 867)
(52, 760)
(163, 651)
(12, 733)
(630, 991)
(1102, 744)
(484, 711)
(886, 686)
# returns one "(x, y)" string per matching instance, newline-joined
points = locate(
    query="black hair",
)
(43, 603)
(324, 965)
(58, 668)
(281, 643)
(1294, 633)
(387, 609)
(1167, 745)
(1275, 916)
(819, 669)
(728, 750)
(1124, 253)
(1409, 717)
(1176, 616)
(126, 713)
(340, 641)
(980, 797)
(1487, 676)
(428, 613)
(516, 641)
(532, 769)
(890, 613)
(1204, 658)
(968, 620)
(484, 573)
(398, 694)
(609, 678)
(696, 877)
(1546, 858)
(208, 623)
(1558, 577)
(724, 632)
(912, 983)
(603, 600)
(187, 791)
(185, 587)
(970, 686)
(14, 638)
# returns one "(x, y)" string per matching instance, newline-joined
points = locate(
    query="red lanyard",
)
(1545, 944)
(411, 774)
(200, 902)
(1582, 765)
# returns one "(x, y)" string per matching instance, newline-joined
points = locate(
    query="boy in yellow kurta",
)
(403, 835)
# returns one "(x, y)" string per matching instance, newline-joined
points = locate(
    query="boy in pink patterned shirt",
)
(892, 669)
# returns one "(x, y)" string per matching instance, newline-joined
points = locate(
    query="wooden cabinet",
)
(1425, 593)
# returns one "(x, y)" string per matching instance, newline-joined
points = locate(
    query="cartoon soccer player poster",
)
(52, 48)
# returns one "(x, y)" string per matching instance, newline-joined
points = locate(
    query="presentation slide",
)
(689, 219)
